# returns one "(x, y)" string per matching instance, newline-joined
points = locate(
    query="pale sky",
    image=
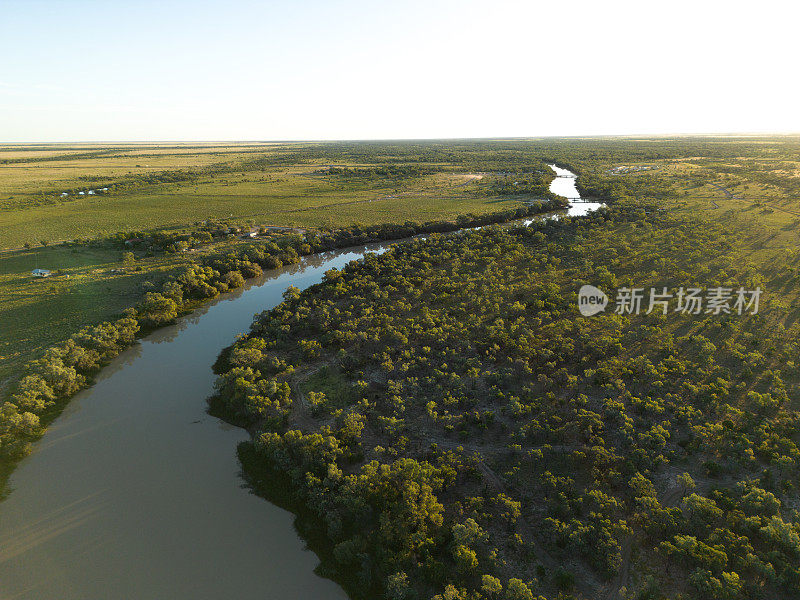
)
(143, 70)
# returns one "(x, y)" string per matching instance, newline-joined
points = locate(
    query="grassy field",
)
(38, 312)
(754, 189)
(271, 185)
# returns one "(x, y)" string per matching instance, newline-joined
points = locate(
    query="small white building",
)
(41, 273)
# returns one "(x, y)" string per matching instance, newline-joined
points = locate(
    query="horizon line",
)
(408, 139)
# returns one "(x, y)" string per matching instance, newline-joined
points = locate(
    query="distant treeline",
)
(136, 180)
(390, 171)
(530, 182)
(59, 157)
(326, 239)
(170, 240)
(119, 184)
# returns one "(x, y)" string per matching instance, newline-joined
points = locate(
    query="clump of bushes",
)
(60, 373)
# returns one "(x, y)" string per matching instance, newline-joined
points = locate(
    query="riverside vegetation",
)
(451, 428)
(64, 369)
(457, 431)
(449, 425)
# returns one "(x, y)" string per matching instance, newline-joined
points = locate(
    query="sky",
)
(141, 70)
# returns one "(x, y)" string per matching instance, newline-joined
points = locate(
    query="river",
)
(564, 185)
(135, 492)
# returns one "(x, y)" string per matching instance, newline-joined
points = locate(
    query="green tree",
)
(491, 586)
(156, 310)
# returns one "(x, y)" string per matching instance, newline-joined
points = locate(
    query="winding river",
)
(135, 492)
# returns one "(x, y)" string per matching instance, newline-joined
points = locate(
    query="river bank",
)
(38, 398)
(136, 490)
